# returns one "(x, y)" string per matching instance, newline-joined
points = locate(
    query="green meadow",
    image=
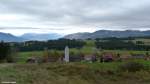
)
(74, 73)
(126, 72)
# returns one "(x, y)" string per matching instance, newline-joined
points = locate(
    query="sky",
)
(71, 16)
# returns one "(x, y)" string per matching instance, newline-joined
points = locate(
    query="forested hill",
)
(108, 33)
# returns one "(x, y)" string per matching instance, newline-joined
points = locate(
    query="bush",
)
(131, 67)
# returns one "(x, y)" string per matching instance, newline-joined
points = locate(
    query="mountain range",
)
(108, 33)
(10, 38)
(40, 37)
(97, 34)
(6, 37)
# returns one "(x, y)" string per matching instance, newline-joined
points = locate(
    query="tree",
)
(4, 51)
(139, 42)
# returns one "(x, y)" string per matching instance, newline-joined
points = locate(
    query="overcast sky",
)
(71, 16)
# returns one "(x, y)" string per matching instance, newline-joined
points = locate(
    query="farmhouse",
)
(138, 56)
(32, 60)
(125, 57)
(107, 57)
(75, 58)
(91, 58)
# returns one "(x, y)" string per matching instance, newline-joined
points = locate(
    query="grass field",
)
(72, 73)
(75, 72)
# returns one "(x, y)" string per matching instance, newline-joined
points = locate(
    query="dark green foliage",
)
(147, 54)
(111, 43)
(115, 38)
(114, 44)
(120, 44)
(139, 42)
(4, 51)
(13, 54)
(51, 44)
(132, 67)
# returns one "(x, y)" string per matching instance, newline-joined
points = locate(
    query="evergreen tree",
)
(4, 51)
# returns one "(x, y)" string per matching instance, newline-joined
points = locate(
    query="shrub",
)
(131, 67)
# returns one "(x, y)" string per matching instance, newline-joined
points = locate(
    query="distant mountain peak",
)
(108, 33)
(7, 37)
(41, 37)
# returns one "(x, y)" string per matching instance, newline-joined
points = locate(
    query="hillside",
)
(9, 37)
(108, 33)
(40, 37)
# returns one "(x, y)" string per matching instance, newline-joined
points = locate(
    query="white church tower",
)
(66, 59)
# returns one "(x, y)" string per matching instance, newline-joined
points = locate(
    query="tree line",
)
(114, 44)
(50, 44)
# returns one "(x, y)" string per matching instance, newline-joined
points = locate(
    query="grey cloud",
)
(128, 13)
(29, 28)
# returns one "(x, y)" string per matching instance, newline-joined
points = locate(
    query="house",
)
(125, 57)
(91, 58)
(75, 58)
(107, 57)
(32, 60)
(138, 56)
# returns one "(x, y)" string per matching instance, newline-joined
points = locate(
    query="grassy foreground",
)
(73, 73)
